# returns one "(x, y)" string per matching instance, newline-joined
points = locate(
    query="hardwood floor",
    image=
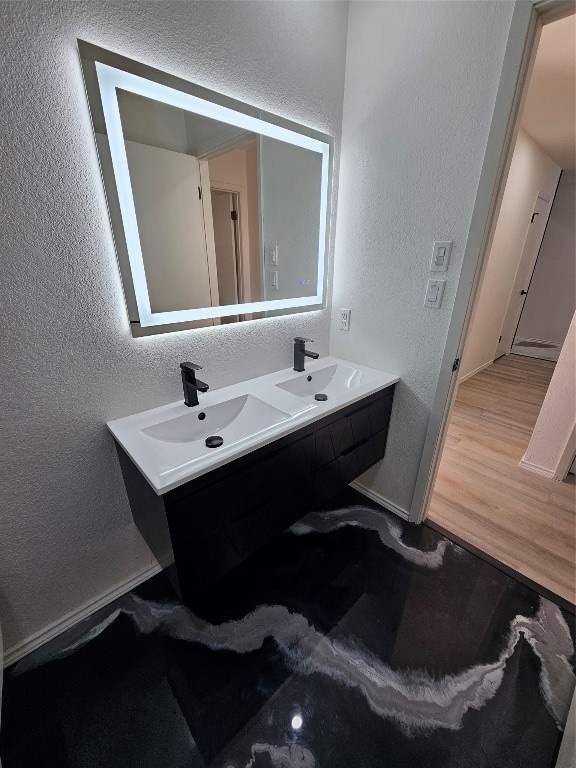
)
(484, 498)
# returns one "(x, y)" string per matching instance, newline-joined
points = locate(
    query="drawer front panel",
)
(380, 413)
(324, 447)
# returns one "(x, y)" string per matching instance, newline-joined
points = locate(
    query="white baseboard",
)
(530, 341)
(18, 651)
(373, 496)
(475, 371)
(537, 469)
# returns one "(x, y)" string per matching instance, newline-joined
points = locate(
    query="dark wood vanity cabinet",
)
(216, 521)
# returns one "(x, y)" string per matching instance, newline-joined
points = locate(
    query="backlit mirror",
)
(219, 211)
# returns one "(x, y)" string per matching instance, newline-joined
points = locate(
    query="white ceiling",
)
(550, 110)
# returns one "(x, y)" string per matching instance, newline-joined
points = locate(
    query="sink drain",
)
(214, 441)
(321, 397)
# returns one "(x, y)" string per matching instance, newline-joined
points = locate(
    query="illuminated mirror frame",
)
(111, 78)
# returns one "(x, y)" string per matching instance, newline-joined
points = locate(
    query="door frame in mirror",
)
(114, 71)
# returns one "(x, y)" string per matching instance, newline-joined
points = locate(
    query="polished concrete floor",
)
(481, 495)
(353, 640)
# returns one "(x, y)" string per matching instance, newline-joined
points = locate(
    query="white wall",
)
(553, 440)
(531, 173)
(290, 219)
(551, 300)
(69, 362)
(421, 81)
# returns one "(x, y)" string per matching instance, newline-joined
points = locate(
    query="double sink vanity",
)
(281, 452)
(221, 214)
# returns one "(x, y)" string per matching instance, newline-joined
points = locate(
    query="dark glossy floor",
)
(352, 641)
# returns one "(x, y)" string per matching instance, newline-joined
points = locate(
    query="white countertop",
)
(166, 465)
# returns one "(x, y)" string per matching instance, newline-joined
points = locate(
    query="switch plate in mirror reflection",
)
(200, 188)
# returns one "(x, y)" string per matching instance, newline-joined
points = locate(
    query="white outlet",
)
(344, 315)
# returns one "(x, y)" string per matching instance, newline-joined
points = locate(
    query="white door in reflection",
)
(226, 244)
(167, 196)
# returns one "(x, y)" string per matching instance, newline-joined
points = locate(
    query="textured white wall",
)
(532, 173)
(551, 301)
(421, 81)
(69, 363)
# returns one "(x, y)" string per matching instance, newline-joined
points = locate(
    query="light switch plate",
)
(272, 254)
(441, 255)
(434, 293)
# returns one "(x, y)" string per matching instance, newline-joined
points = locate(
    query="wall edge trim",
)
(537, 469)
(475, 371)
(379, 499)
(567, 457)
(49, 632)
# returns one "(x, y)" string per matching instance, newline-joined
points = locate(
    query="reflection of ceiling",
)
(550, 111)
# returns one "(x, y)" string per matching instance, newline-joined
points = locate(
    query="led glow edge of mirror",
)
(109, 79)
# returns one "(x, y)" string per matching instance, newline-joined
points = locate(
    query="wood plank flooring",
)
(484, 498)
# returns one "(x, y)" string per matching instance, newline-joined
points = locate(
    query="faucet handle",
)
(302, 340)
(190, 367)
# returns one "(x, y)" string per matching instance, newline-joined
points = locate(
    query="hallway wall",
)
(532, 173)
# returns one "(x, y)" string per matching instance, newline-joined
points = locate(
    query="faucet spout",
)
(191, 384)
(300, 353)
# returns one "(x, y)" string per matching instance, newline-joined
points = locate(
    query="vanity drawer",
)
(338, 438)
(353, 434)
(380, 413)
(259, 487)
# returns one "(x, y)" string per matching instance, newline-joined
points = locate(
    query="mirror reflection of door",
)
(233, 169)
(170, 219)
(227, 245)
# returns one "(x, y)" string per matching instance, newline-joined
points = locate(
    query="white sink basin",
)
(332, 381)
(168, 444)
(232, 420)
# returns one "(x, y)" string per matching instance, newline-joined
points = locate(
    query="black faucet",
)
(191, 384)
(300, 352)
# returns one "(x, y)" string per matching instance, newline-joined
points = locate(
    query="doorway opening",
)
(234, 193)
(227, 247)
(550, 296)
(517, 368)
